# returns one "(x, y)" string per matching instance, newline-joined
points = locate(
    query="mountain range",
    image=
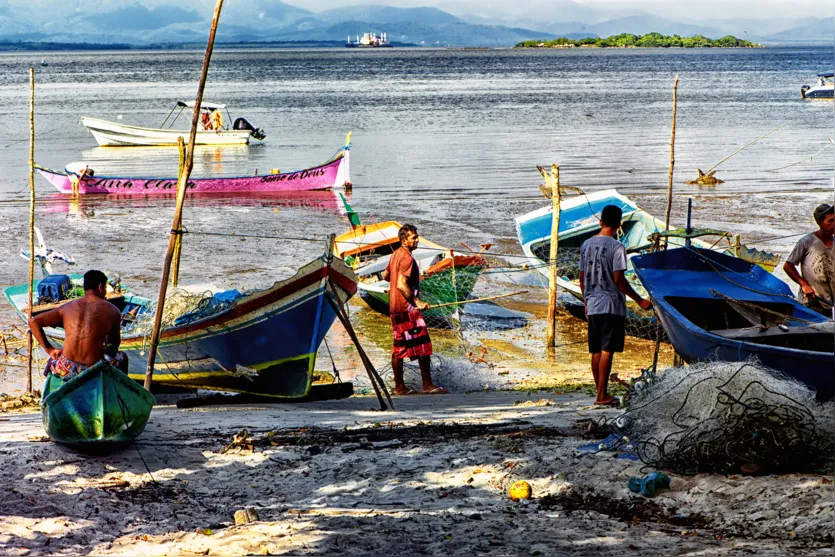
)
(479, 24)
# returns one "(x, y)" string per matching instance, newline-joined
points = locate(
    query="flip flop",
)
(436, 391)
(613, 402)
(407, 393)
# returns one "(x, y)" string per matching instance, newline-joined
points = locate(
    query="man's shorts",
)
(606, 333)
(411, 337)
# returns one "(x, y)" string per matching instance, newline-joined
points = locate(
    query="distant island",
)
(650, 40)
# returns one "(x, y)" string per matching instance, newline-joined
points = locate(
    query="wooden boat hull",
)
(114, 134)
(334, 173)
(579, 220)
(100, 406)
(680, 282)
(265, 344)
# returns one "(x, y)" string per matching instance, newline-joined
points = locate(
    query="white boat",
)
(823, 90)
(369, 40)
(213, 129)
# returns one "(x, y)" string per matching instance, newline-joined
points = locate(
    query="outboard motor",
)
(79, 170)
(243, 124)
(803, 91)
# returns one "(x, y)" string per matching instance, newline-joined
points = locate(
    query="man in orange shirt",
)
(411, 336)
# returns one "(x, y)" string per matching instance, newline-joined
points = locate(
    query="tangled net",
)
(183, 307)
(728, 417)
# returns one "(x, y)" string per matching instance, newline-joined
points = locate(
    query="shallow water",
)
(446, 139)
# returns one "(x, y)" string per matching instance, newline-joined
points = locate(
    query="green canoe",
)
(99, 406)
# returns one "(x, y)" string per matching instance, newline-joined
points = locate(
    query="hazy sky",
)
(704, 10)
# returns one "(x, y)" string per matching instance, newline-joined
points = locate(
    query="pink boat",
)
(81, 180)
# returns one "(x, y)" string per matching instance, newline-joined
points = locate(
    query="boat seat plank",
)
(752, 333)
(37, 309)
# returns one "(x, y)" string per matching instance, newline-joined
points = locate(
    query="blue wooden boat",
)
(580, 220)
(261, 343)
(717, 307)
(100, 406)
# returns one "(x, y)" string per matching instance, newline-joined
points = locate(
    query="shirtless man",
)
(91, 325)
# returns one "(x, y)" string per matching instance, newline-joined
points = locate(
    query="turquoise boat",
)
(100, 406)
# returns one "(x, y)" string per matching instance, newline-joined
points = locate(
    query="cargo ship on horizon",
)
(369, 40)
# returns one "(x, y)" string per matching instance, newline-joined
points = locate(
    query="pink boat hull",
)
(334, 173)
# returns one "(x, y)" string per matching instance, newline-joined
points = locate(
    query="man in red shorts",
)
(411, 337)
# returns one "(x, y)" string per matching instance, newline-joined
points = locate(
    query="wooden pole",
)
(556, 199)
(672, 158)
(182, 182)
(29, 340)
(178, 246)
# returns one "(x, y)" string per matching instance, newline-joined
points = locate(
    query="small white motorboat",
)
(823, 90)
(212, 130)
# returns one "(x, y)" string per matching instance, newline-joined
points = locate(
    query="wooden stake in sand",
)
(178, 246)
(29, 340)
(339, 308)
(553, 180)
(181, 197)
(672, 158)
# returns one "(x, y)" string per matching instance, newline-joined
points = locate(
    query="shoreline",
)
(431, 477)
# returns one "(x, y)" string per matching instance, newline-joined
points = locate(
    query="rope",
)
(754, 290)
(123, 407)
(757, 307)
(822, 149)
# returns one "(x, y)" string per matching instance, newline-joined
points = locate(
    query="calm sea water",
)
(447, 139)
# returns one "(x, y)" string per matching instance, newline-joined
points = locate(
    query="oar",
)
(478, 299)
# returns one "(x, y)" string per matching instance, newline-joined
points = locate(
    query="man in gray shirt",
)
(604, 286)
(815, 253)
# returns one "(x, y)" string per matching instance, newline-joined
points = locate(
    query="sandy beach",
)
(338, 477)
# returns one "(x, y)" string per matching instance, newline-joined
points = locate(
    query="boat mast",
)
(176, 229)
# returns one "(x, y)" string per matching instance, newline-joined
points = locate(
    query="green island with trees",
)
(650, 40)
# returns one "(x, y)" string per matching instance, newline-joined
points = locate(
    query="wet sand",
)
(430, 478)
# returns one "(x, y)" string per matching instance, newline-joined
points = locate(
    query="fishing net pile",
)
(459, 375)
(183, 307)
(728, 417)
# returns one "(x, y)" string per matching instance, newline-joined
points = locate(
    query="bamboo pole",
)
(182, 182)
(556, 199)
(178, 246)
(672, 159)
(29, 340)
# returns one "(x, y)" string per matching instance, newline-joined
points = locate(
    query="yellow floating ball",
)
(520, 490)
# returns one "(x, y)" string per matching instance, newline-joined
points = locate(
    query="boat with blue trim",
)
(824, 89)
(580, 220)
(716, 307)
(262, 343)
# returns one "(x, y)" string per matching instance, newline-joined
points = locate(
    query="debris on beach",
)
(241, 442)
(705, 179)
(649, 485)
(26, 400)
(520, 490)
(728, 418)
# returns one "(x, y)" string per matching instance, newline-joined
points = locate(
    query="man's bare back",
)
(89, 323)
